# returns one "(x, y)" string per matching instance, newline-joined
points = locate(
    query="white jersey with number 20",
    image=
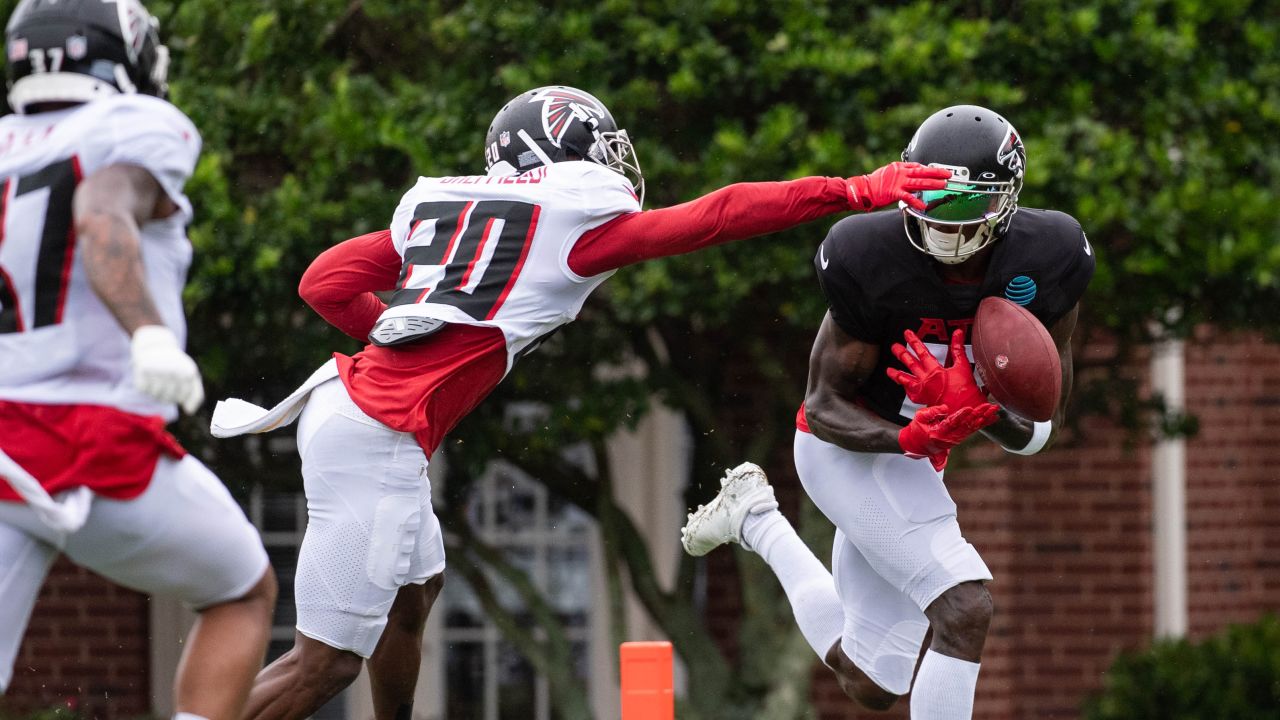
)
(493, 249)
(58, 342)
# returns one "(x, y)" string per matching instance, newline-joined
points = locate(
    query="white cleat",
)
(743, 490)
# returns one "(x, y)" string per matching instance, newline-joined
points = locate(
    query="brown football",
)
(1015, 359)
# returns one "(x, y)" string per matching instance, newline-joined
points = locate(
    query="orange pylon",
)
(647, 678)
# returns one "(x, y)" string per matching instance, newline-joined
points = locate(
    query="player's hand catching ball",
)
(935, 430)
(162, 370)
(928, 383)
(893, 182)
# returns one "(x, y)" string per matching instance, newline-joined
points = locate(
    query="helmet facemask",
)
(615, 151)
(159, 65)
(962, 218)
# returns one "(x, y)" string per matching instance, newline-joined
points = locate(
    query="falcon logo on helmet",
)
(560, 106)
(135, 21)
(1011, 152)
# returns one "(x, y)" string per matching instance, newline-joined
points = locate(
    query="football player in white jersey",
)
(93, 257)
(483, 268)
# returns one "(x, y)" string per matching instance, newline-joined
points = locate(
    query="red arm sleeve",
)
(340, 283)
(732, 213)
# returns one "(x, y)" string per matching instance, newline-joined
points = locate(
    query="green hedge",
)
(1235, 674)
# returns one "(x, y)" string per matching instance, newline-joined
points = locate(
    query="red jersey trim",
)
(426, 387)
(8, 280)
(802, 422)
(17, 306)
(109, 451)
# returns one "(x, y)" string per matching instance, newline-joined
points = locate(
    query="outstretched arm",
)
(341, 282)
(741, 211)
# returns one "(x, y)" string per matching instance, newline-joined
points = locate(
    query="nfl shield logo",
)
(77, 47)
(504, 139)
(18, 50)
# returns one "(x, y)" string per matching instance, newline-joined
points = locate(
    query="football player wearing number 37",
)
(880, 418)
(481, 268)
(93, 258)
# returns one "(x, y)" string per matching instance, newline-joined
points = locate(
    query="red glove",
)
(932, 432)
(893, 182)
(928, 383)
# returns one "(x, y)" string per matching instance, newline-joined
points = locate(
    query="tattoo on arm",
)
(109, 207)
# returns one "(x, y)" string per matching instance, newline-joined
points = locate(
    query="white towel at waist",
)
(234, 416)
(64, 515)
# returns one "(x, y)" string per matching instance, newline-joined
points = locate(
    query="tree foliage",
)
(1152, 121)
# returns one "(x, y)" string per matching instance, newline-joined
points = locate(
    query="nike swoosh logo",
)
(1087, 250)
(822, 256)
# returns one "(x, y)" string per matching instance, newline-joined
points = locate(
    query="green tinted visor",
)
(961, 202)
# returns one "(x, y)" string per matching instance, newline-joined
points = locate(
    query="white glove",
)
(162, 370)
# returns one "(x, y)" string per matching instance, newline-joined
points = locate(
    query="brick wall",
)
(85, 648)
(1233, 480)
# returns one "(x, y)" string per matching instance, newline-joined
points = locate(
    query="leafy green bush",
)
(1235, 674)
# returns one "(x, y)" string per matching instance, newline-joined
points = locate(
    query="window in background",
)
(553, 543)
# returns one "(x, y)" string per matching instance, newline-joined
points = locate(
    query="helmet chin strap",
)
(122, 80)
(951, 248)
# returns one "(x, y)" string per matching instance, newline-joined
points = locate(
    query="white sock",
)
(809, 587)
(944, 688)
(188, 716)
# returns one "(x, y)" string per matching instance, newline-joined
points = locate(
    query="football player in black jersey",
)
(868, 459)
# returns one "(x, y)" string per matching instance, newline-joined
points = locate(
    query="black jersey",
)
(878, 286)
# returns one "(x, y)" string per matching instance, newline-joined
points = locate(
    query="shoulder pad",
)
(872, 249)
(143, 111)
(582, 171)
(1045, 263)
(860, 263)
(601, 192)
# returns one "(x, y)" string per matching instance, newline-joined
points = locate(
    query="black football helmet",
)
(985, 156)
(73, 51)
(557, 123)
